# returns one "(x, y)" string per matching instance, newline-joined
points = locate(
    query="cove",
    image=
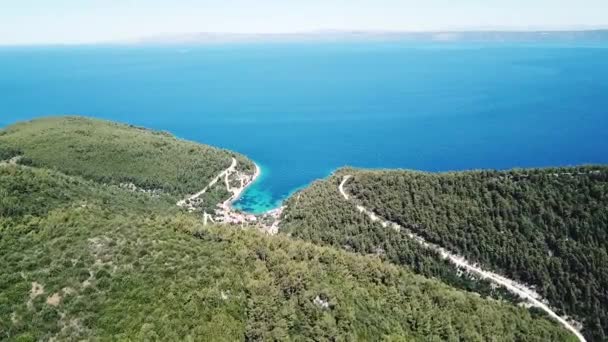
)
(301, 110)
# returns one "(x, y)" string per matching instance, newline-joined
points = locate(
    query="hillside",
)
(101, 262)
(542, 227)
(84, 258)
(114, 153)
(320, 215)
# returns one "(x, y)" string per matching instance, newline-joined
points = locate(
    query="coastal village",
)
(235, 183)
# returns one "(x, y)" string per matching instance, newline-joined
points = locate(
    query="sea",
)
(301, 110)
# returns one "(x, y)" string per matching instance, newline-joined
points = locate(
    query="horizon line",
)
(143, 39)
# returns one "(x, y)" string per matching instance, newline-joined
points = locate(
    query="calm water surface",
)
(302, 110)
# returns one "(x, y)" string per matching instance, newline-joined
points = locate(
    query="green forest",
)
(544, 227)
(115, 153)
(84, 258)
(320, 215)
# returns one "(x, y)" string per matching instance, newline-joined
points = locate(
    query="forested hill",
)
(84, 258)
(543, 227)
(319, 214)
(114, 153)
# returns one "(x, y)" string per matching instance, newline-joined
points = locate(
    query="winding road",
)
(512, 286)
(224, 173)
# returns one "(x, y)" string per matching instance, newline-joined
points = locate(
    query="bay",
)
(301, 110)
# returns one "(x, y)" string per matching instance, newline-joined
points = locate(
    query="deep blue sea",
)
(302, 110)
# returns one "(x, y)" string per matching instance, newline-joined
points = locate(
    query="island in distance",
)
(480, 35)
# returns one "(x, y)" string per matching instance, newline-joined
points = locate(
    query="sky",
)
(90, 21)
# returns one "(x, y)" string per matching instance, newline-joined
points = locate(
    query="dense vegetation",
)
(319, 214)
(115, 153)
(83, 258)
(545, 227)
(101, 262)
(215, 194)
(26, 192)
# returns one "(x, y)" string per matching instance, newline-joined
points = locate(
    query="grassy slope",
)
(123, 265)
(546, 227)
(114, 153)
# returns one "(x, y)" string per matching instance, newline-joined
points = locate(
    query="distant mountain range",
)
(335, 35)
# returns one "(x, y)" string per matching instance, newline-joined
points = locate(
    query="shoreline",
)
(235, 197)
(226, 213)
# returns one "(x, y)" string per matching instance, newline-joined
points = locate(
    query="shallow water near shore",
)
(256, 199)
(302, 110)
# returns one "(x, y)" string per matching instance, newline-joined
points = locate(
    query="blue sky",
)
(73, 21)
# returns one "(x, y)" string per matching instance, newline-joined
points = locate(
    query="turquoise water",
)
(303, 110)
